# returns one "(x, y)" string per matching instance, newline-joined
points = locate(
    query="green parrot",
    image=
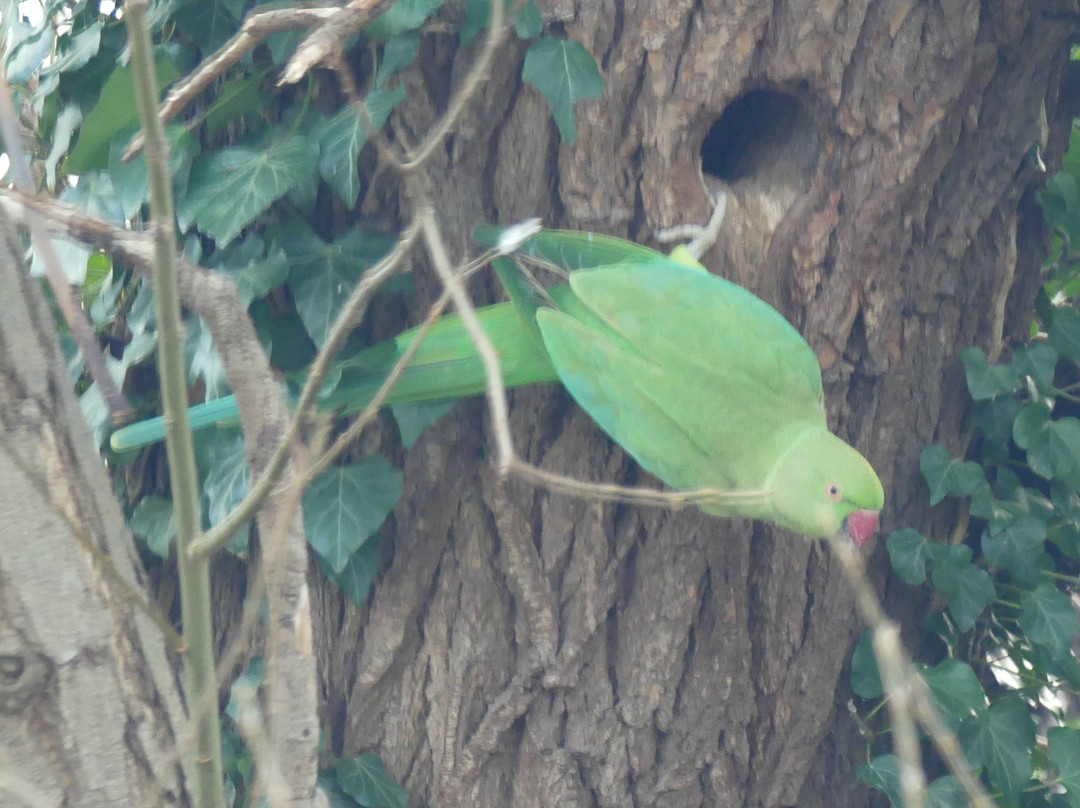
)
(704, 384)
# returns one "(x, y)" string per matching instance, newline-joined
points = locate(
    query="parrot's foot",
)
(700, 238)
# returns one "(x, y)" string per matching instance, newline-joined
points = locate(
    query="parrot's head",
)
(823, 486)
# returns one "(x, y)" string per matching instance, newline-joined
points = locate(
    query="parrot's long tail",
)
(445, 366)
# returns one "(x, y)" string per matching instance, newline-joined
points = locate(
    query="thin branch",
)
(477, 75)
(904, 684)
(205, 770)
(346, 320)
(329, 38)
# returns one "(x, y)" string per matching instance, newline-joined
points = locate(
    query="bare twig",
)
(329, 38)
(906, 691)
(257, 26)
(478, 73)
(345, 322)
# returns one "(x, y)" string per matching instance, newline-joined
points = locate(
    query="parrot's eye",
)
(832, 490)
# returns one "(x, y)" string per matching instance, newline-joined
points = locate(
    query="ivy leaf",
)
(154, 523)
(366, 780)
(1064, 331)
(883, 773)
(1064, 744)
(1017, 545)
(229, 188)
(404, 15)
(236, 98)
(398, 53)
(342, 137)
(359, 573)
(323, 275)
(565, 72)
(1053, 446)
(530, 21)
(908, 553)
(1049, 619)
(1002, 740)
(957, 690)
(254, 268)
(253, 677)
(1037, 361)
(946, 476)
(226, 481)
(113, 113)
(946, 792)
(203, 360)
(346, 504)
(414, 417)
(208, 25)
(968, 589)
(865, 677)
(985, 382)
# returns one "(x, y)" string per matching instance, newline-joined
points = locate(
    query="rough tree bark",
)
(883, 204)
(89, 703)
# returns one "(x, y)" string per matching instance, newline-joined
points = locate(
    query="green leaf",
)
(366, 780)
(114, 112)
(253, 677)
(985, 382)
(1016, 545)
(1064, 744)
(236, 98)
(530, 22)
(1037, 361)
(968, 589)
(322, 276)
(883, 773)
(346, 504)
(1064, 331)
(946, 792)
(565, 72)
(1001, 740)
(404, 15)
(226, 483)
(957, 690)
(398, 53)
(253, 267)
(1053, 446)
(908, 553)
(359, 573)
(154, 523)
(203, 360)
(130, 179)
(865, 677)
(342, 137)
(1049, 619)
(229, 188)
(946, 476)
(416, 416)
(209, 24)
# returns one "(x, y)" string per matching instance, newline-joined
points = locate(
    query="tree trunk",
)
(523, 648)
(88, 697)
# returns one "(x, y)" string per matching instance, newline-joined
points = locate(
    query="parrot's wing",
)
(701, 381)
(672, 313)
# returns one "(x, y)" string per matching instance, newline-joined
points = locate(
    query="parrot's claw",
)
(700, 238)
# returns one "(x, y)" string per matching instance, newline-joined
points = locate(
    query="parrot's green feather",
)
(706, 385)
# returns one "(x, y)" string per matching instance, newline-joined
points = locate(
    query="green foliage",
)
(565, 73)
(1004, 645)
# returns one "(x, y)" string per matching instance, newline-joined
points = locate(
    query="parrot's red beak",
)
(860, 526)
